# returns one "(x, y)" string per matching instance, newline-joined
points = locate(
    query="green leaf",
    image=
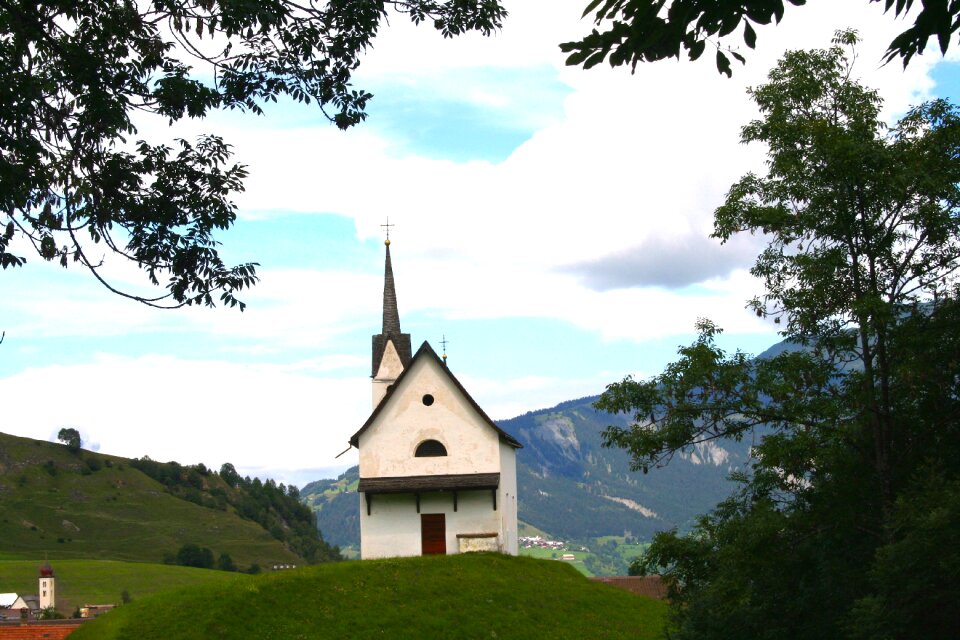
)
(696, 49)
(723, 64)
(749, 35)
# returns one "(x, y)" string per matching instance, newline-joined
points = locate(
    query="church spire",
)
(391, 316)
(390, 332)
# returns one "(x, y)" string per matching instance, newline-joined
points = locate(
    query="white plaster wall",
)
(508, 499)
(48, 596)
(393, 527)
(387, 447)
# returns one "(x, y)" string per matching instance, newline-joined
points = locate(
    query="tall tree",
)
(75, 179)
(861, 269)
(635, 31)
(70, 437)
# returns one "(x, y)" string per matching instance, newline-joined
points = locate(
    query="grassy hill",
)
(62, 504)
(81, 582)
(463, 596)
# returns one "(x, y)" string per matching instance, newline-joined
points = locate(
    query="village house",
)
(437, 475)
(12, 605)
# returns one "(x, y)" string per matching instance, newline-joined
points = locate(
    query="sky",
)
(551, 223)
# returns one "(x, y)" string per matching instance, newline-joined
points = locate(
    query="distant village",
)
(537, 542)
(43, 604)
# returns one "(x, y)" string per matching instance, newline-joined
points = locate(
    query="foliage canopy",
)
(75, 178)
(70, 437)
(856, 425)
(79, 185)
(635, 31)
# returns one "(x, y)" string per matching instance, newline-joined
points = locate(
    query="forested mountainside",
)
(574, 488)
(337, 507)
(73, 503)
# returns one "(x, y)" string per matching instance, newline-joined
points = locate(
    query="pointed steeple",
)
(391, 317)
(391, 321)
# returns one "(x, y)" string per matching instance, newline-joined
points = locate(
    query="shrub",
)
(193, 555)
(225, 563)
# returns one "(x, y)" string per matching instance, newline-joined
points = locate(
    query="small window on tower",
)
(427, 399)
(430, 449)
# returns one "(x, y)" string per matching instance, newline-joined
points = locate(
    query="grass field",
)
(450, 597)
(54, 506)
(586, 562)
(81, 582)
(550, 554)
(528, 530)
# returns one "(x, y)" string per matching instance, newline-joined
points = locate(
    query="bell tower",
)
(47, 587)
(391, 347)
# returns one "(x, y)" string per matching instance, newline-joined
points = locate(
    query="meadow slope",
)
(450, 597)
(61, 504)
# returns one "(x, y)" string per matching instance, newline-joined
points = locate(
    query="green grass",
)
(54, 507)
(450, 597)
(548, 554)
(525, 529)
(81, 582)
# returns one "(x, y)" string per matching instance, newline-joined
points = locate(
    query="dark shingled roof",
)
(451, 482)
(426, 351)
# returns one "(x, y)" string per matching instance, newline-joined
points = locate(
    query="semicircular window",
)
(430, 449)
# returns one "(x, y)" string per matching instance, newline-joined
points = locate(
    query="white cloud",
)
(637, 161)
(255, 416)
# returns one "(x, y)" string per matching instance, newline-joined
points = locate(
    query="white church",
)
(437, 476)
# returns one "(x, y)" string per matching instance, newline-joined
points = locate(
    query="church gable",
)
(428, 413)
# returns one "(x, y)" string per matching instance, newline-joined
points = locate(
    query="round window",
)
(428, 399)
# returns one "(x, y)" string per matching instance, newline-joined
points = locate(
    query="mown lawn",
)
(450, 597)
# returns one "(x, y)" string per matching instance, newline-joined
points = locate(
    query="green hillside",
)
(462, 596)
(63, 504)
(337, 506)
(81, 582)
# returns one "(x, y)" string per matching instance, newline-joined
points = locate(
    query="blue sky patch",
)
(476, 114)
(282, 239)
(946, 75)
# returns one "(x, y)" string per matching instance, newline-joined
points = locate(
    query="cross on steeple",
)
(387, 227)
(443, 343)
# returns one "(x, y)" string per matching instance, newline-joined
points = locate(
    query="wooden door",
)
(433, 534)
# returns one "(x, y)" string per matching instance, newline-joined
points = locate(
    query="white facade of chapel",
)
(474, 486)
